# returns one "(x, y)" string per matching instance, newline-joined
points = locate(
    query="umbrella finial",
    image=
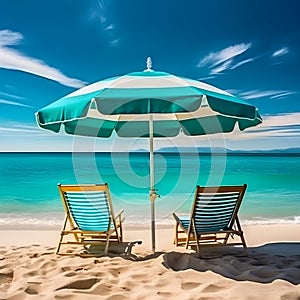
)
(149, 64)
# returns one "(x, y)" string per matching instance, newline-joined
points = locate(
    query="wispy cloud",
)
(281, 52)
(242, 63)
(99, 13)
(11, 95)
(273, 94)
(15, 60)
(277, 125)
(19, 128)
(222, 67)
(109, 27)
(114, 42)
(101, 4)
(9, 38)
(215, 58)
(282, 95)
(233, 91)
(206, 78)
(275, 132)
(14, 103)
(288, 119)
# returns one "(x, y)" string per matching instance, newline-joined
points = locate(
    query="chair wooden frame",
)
(112, 230)
(205, 226)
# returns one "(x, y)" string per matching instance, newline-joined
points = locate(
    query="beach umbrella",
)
(148, 104)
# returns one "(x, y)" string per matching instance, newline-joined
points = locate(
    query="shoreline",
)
(40, 224)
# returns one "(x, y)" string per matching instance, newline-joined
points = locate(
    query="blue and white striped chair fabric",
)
(89, 210)
(214, 211)
(90, 217)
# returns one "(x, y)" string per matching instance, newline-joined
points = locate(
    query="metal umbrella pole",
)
(153, 193)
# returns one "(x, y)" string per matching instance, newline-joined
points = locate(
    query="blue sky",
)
(51, 48)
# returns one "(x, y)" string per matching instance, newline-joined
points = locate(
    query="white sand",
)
(29, 269)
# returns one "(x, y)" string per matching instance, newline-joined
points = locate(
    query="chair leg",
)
(121, 234)
(59, 243)
(118, 234)
(107, 243)
(226, 238)
(198, 245)
(242, 236)
(62, 234)
(176, 235)
(244, 244)
(187, 241)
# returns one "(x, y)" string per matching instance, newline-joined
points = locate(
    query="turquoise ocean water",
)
(29, 197)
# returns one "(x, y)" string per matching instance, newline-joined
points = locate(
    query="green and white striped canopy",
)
(124, 103)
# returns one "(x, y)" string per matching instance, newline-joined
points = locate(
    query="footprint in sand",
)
(102, 289)
(70, 274)
(189, 285)
(114, 272)
(165, 294)
(6, 276)
(128, 285)
(65, 269)
(143, 279)
(212, 288)
(82, 284)
(33, 288)
(117, 297)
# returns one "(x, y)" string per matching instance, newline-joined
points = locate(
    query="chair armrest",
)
(181, 218)
(183, 221)
(119, 213)
(176, 218)
(119, 216)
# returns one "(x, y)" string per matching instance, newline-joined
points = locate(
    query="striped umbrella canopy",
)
(148, 104)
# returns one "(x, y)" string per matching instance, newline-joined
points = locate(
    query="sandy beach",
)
(29, 269)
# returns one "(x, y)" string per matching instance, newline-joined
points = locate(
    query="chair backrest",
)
(216, 208)
(88, 206)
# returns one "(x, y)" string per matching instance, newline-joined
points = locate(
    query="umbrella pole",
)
(152, 189)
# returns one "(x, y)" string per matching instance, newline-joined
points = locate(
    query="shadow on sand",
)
(264, 264)
(124, 250)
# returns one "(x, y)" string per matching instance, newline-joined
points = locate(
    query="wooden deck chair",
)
(90, 218)
(213, 218)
